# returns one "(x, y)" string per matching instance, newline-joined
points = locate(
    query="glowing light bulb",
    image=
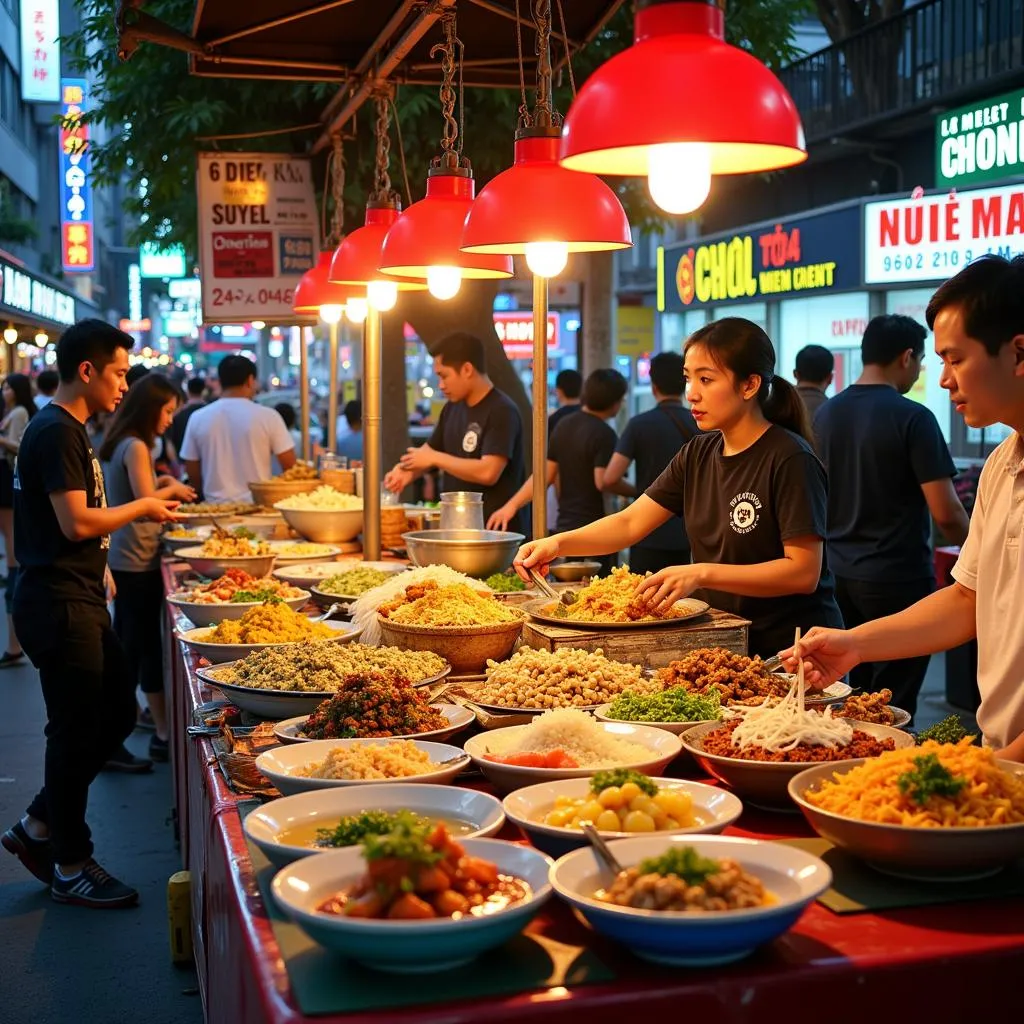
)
(258, 325)
(444, 282)
(10, 335)
(679, 175)
(547, 259)
(356, 310)
(42, 338)
(331, 313)
(382, 295)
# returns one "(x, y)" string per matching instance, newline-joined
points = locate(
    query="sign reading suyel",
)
(931, 238)
(258, 233)
(812, 254)
(76, 223)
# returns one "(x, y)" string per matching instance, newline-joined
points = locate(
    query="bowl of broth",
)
(293, 827)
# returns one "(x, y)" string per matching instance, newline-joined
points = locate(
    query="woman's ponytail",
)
(784, 406)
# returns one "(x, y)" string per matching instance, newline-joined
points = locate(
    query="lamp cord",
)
(568, 49)
(337, 179)
(525, 121)
(401, 149)
(545, 114)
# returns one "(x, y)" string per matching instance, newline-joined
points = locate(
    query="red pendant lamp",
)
(425, 240)
(314, 291)
(537, 208)
(681, 105)
(356, 261)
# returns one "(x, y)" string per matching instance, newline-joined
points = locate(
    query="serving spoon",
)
(604, 853)
(565, 597)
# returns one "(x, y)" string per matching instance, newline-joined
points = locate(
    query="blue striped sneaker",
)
(35, 854)
(92, 887)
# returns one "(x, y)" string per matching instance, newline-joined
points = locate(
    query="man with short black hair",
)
(232, 442)
(46, 386)
(350, 445)
(814, 372)
(568, 386)
(62, 530)
(478, 441)
(196, 392)
(653, 439)
(888, 468)
(577, 456)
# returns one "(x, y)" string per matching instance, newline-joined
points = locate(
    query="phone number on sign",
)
(942, 260)
(261, 296)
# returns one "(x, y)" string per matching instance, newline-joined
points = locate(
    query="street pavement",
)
(70, 965)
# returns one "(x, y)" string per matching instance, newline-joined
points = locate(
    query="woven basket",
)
(267, 492)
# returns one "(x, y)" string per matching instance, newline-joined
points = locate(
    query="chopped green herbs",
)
(949, 730)
(676, 704)
(354, 828)
(683, 862)
(929, 778)
(505, 583)
(601, 781)
(407, 840)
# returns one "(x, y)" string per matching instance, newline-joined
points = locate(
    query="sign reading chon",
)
(806, 255)
(982, 142)
(258, 234)
(931, 238)
(76, 223)
(21, 292)
(40, 51)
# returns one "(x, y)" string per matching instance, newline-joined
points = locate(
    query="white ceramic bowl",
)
(458, 717)
(282, 764)
(195, 640)
(265, 824)
(794, 877)
(408, 947)
(325, 553)
(210, 614)
(272, 704)
(663, 747)
(214, 566)
(714, 808)
(324, 526)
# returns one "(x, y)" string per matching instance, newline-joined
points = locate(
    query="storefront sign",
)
(931, 238)
(155, 261)
(185, 288)
(40, 51)
(982, 142)
(515, 332)
(258, 233)
(76, 223)
(809, 255)
(22, 292)
(634, 330)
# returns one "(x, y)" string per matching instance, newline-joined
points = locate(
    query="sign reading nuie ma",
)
(982, 142)
(258, 234)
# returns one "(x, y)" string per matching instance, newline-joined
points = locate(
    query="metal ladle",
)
(604, 853)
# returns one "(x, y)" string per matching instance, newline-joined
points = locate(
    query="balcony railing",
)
(934, 52)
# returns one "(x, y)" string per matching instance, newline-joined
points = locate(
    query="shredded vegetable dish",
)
(427, 604)
(237, 587)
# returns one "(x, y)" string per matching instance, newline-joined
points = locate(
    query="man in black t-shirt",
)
(568, 386)
(196, 388)
(888, 468)
(61, 536)
(814, 371)
(578, 454)
(652, 440)
(478, 441)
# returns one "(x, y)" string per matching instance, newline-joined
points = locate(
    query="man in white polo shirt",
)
(229, 443)
(978, 319)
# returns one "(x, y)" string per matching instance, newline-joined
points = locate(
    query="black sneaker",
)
(35, 854)
(124, 760)
(145, 721)
(159, 750)
(93, 887)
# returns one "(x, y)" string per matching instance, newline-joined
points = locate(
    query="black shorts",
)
(6, 484)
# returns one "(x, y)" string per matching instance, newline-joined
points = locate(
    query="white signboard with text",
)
(258, 234)
(40, 51)
(931, 238)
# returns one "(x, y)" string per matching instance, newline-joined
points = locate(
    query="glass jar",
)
(462, 510)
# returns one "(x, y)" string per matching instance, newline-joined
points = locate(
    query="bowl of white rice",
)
(578, 737)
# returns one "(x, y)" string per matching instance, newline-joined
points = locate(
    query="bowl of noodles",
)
(935, 812)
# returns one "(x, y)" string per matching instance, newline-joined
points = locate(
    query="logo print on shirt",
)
(744, 512)
(471, 440)
(99, 494)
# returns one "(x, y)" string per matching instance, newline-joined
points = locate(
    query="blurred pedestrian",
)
(350, 445)
(568, 387)
(46, 385)
(195, 399)
(815, 369)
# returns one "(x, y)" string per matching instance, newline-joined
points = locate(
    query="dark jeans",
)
(138, 613)
(862, 602)
(89, 711)
(644, 560)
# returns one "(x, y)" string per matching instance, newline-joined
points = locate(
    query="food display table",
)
(946, 961)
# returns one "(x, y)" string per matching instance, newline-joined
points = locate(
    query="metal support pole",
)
(372, 475)
(540, 406)
(307, 451)
(332, 398)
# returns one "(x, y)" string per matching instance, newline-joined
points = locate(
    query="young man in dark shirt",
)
(196, 389)
(568, 386)
(814, 371)
(653, 439)
(578, 454)
(61, 536)
(478, 441)
(888, 468)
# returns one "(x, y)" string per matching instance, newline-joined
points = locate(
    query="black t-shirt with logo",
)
(652, 440)
(580, 444)
(879, 448)
(491, 427)
(56, 455)
(739, 509)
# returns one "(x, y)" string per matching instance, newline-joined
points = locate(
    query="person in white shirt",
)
(233, 441)
(46, 387)
(978, 319)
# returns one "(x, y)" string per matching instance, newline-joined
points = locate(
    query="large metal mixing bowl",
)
(477, 553)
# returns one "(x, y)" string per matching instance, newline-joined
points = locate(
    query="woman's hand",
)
(182, 492)
(660, 591)
(501, 518)
(158, 510)
(397, 479)
(827, 654)
(537, 554)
